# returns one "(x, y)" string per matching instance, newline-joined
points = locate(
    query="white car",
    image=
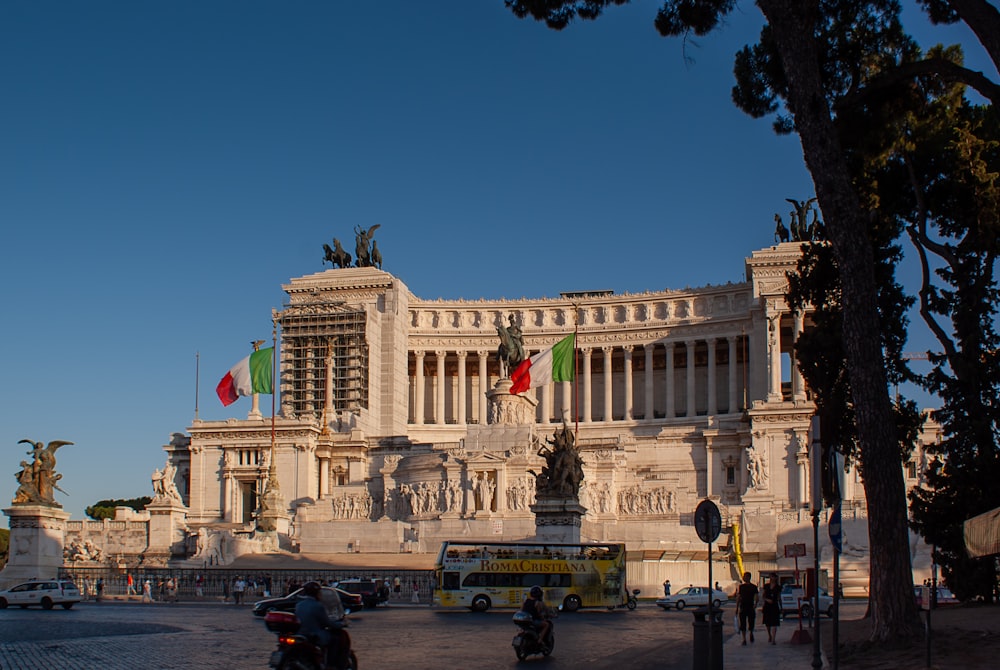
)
(692, 596)
(792, 595)
(44, 592)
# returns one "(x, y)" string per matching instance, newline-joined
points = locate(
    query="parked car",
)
(44, 592)
(372, 592)
(793, 596)
(692, 596)
(349, 602)
(944, 597)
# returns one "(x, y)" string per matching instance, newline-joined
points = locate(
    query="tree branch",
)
(940, 67)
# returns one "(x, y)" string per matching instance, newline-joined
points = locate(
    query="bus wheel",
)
(572, 603)
(480, 603)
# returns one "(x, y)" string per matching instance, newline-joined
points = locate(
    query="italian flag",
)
(249, 376)
(551, 365)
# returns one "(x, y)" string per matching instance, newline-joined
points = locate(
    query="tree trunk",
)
(893, 608)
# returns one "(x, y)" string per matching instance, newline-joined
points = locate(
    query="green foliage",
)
(105, 509)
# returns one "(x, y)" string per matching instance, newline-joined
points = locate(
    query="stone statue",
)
(563, 471)
(336, 256)
(510, 353)
(157, 481)
(37, 480)
(756, 469)
(169, 483)
(376, 255)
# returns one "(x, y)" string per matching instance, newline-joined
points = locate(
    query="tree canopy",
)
(832, 72)
(105, 509)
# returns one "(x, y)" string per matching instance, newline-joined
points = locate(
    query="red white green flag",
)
(551, 365)
(249, 376)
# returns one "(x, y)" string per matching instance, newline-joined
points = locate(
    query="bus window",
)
(529, 580)
(451, 581)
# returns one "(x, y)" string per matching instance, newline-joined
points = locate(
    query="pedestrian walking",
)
(397, 586)
(746, 605)
(416, 593)
(86, 587)
(199, 586)
(771, 609)
(130, 583)
(99, 588)
(147, 591)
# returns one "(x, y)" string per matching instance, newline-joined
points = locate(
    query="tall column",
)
(418, 389)
(628, 381)
(691, 406)
(324, 477)
(773, 354)
(802, 461)
(586, 385)
(798, 382)
(546, 403)
(671, 394)
(484, 384)
(648, 382)
(734, 401)
(608, 408)
(713, 405)
(460, 417)
(439, 396)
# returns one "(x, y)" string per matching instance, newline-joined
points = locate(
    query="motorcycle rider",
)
(535, 606)
(315, 623)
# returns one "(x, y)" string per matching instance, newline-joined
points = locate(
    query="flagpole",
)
(576, 369)
(197, 369)
(274, 380)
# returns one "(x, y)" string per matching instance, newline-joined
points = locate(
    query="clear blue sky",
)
(166, 166)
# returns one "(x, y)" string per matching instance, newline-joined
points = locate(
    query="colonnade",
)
(623, 389)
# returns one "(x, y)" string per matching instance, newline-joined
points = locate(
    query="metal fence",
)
(217, 583)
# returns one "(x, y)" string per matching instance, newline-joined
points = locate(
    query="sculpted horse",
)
(337, 256)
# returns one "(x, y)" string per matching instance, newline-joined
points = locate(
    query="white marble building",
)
(394, 431)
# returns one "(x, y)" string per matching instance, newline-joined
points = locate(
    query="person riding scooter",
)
(539, 612)
(315, 623)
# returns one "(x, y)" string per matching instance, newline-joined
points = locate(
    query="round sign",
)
(707, 521)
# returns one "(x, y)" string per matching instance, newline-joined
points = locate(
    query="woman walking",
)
(771, 609)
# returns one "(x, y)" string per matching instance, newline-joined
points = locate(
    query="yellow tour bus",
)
(481, 575)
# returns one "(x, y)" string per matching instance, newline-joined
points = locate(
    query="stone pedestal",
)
(509, 409)
(37, 537)
(167, 530)
(557, 520)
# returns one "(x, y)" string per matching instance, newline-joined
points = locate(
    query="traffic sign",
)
(836, 529)
(707, 521)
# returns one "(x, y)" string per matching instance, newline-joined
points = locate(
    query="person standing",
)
(771, 609)
(416, 593)
(666, 588)
(746, 606)
(239, 586)
(147, 591)
(99, 587)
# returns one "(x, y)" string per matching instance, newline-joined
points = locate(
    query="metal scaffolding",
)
(317, 339)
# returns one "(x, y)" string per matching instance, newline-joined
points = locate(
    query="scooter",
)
(631, 602)
(527, 642)
(297, 652)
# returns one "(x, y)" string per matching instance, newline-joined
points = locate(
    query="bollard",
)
(702, 639)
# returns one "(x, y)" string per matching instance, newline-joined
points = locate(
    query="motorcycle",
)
(631, 602)
(527, 642)
(297, 652)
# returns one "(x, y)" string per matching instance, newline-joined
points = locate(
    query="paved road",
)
(113, 636)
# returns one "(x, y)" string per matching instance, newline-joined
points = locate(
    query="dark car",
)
(349, 602)
(372, 592)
